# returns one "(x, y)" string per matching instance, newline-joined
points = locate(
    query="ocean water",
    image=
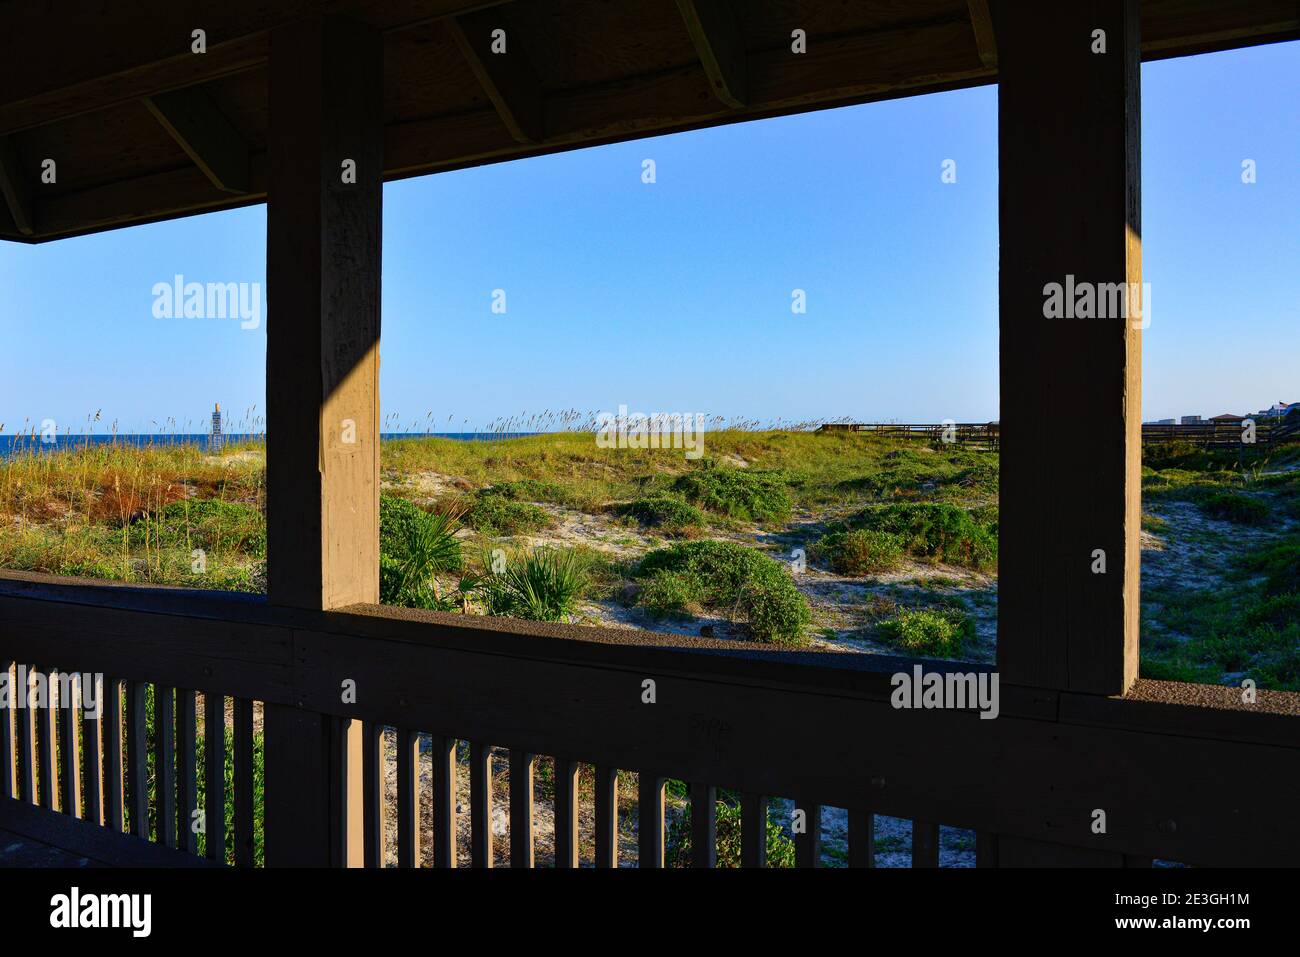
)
(27, 444)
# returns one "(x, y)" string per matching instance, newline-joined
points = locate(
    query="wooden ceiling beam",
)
(498, 62)
(720, 46)
(16, 188)
(981, 22)
(198, 126)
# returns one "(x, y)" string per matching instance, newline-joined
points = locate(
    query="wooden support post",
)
(1068, 146)
(324, 211)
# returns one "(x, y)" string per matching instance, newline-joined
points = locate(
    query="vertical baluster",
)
(925, 844)
(408, 798)
(606, 816)
(214, 771)
(187, 772)
(137, 758)
(69, 748)
(650, 820)
(8, 778)
(111, 722)
(480, 804)
(26, 743)
(753, 830)
(704, 826)
(444, 801)
(49, 770)
(92, 746)
(522, 767)
(372, 765)
(862, 838)
(808, 844)
(164, 763)
(244, 856)
(566, 812)
(986, 849)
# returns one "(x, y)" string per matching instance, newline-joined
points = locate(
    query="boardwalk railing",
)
(817, 728)
(1207, 434)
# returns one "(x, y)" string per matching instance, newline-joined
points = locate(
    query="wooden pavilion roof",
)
(142, 129)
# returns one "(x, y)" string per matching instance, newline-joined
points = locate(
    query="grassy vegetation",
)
(928, 631)
(729, 578)
(736, 493)
(667, 513)
(860, 552)
(780, 848)
(934, 530)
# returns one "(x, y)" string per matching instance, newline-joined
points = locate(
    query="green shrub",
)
(1280, 564)
(1235, 507)
(531, 490)
(940, 632)
(542, 584)
(727, 577)
(210, 524)
(666, 512)
(414, 547)
(736, 493)
(494, 514)
(1278, 611)
(727, 818)
(860, 552)
(941, 531)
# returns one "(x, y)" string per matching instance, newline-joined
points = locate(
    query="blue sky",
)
(675, 296)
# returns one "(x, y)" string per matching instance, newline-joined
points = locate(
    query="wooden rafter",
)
(982, 23)
(720, 47)
(200, 128)
(17, 194)
(505, 75)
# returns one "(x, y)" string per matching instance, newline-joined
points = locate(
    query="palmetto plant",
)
(542, 584)
(420, 546)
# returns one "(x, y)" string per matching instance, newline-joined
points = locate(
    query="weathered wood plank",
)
(114, 780)
(408, 798)
(862, 838)
(808, 841)
(164, 763)
(372, 776)
(137, 758)
(243, 782)
(606, 799)
(69, 750)
(187, 774)
(925, 844)
(704, 827)
(48, 766)
(480, 803)
(214, 775)
(753, 830)
(566, 812)
(92, 743)
(324, 215)
(8, 776)
(522, 823)
(1068, 562)
(444, 801)
(650, 820)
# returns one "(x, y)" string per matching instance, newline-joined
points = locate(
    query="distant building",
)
(1190, 420)
(1227, 417)
(1279, 409)
(214, 441)
(1164, 422)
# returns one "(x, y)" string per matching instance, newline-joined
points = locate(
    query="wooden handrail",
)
(814, 726)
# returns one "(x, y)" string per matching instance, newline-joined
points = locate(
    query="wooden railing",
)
(984, 434)
(1208, 434)
(817, 728)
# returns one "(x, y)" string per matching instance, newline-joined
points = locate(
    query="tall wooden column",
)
(324, 215)
(1069, 205)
